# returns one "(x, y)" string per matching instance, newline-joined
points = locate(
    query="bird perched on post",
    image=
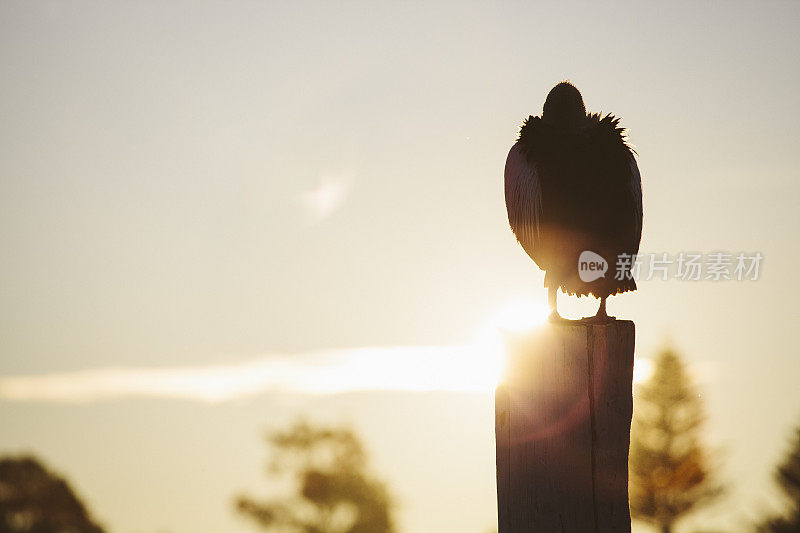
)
(572, 190)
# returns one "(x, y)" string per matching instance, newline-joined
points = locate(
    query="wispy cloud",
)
(426, 368)
(328, 195)
(467, 368)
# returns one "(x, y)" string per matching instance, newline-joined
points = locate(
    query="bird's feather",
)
(523, 198)
(572, 190)
(636, 192)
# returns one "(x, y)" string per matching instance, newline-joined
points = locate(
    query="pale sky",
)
(202, 184)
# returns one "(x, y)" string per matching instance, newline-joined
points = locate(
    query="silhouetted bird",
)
(572, 185)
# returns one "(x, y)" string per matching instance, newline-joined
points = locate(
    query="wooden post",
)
(562, 427)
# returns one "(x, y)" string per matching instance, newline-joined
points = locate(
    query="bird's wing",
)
(635, 185)
(523, 198)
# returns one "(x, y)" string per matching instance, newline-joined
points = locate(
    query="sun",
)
(519, 315)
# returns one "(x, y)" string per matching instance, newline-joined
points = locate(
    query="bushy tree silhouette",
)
(669, 471)
(788, 477)
(34, 500)
(333, 491)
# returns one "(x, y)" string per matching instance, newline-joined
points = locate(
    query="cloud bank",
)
(415, 368)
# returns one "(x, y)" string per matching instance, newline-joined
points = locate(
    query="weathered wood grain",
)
(562, 426)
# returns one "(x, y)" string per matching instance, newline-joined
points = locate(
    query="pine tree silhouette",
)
(669, 471)
(788, 477)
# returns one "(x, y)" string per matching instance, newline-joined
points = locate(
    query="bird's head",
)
(564, 106)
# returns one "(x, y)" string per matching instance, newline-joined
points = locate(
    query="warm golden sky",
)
(199, 184)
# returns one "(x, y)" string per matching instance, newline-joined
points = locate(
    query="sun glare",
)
(476, 367)
(513, 316)
(642, 369)
(519, 315)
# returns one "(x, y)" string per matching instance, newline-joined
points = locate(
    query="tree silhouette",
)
(669, 471)
(34, 500)
(332, 489)
(788, 477)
